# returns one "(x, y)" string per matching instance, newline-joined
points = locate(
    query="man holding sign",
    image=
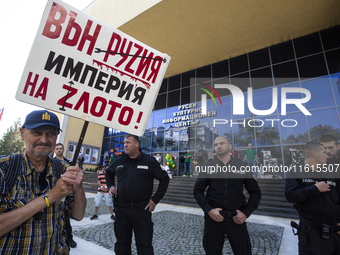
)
(32, 188)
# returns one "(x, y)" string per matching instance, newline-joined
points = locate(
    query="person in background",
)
(112, 158)
(251, 158)
(166, 168)
(59, 154)
(158, 158)
(214, 155)
(106, 161)
(81, 161)
(102, 192)
(234, 153)
(187, 163)
(201, 156)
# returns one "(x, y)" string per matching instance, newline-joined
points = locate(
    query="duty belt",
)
(228, 214)
(132, 205)
(308, 224)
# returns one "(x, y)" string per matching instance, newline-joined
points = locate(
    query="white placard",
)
(69, 71)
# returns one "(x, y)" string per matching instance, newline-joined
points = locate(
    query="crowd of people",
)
(38, 191)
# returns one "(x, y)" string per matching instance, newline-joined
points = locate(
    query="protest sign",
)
(82, 67)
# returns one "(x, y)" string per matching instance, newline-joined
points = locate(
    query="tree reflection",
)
(265, 135)
(315, 133)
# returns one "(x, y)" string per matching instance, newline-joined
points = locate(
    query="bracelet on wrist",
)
(46, 200)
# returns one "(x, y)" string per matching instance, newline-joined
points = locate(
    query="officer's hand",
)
(73, 175)
(113, 190)
(240, 217)
(215, 214)
(338, 231)
(322, 186)
(151, 206)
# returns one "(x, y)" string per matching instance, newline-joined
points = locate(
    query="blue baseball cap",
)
(41, 118)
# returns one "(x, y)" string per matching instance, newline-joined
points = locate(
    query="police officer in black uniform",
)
(224, 204)
(134, 203)
(315, 195)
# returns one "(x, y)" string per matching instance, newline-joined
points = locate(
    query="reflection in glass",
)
(170, 114)
(171, 139)
(265, 100)
(150, 122)
(270, 157)
(335, 79)
(291, 133)
(293, 154)
(247, 112)
(158, 118)
(115, 140)
(184, 135)
(243, 134)
(106, 144)
(145, 142)
(272, 130)
(321, 93)
(323, 122)
(289, 107)
(222, 119)
(158, 140)
(206, 119)
(204, 137)
(267, 132)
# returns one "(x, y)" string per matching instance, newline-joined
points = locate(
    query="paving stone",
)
(179, 233)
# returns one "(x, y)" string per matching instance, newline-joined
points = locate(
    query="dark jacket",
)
(135, 179)
(311, 203)
(201, 156)
(225, 190)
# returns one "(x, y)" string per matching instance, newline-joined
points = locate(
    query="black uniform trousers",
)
(313, 244)
(214, 236)
(139, 220)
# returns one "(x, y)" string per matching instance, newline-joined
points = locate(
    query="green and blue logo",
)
(211, 95)
(204, 97)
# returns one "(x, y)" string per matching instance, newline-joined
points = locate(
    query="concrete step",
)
(279, 212)
(275, 204)
(180, 192)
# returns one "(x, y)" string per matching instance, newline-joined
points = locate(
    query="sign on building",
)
(82, 67)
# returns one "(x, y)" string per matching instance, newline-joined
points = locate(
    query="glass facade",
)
(311, 63)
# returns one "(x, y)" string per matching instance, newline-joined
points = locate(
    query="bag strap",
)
(13, 169)
(58, 167)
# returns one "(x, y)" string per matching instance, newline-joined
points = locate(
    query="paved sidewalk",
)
(179, 230)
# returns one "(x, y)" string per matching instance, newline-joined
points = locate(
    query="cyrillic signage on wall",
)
(187, 115)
